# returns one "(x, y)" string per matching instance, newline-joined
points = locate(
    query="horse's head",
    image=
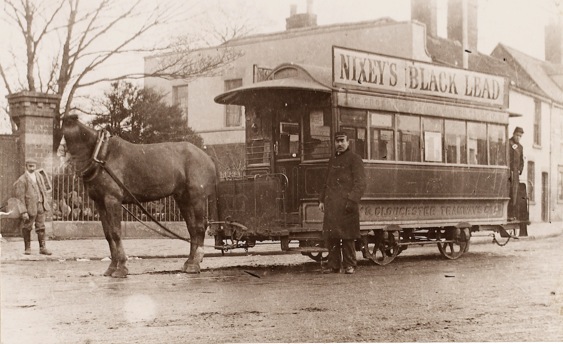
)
(80, 139)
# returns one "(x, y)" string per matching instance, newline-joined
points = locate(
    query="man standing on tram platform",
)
(339, 200)
(516, 161)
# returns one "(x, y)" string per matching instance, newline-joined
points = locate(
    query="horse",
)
(149, 172)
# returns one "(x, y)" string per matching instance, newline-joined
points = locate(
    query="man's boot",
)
(42, 248)
(26, 241)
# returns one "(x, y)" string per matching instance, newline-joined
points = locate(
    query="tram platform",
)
(11, 249)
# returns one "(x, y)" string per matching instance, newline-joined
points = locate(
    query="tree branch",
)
(5, 79)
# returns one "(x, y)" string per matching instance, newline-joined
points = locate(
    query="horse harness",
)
(92, 170)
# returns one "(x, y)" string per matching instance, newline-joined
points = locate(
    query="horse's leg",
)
(107, 233)
(112, 230)
(194, 215)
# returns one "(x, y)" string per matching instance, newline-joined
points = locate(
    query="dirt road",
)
(513, 293)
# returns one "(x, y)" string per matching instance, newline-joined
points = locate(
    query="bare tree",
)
(25, 14)
(78, 39)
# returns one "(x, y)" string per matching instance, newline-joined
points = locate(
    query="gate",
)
(11, 167)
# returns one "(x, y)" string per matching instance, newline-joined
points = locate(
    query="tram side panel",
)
(255, 202)
(419, 196)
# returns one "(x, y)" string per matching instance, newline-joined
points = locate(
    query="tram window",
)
(433, 132)
(258, 136)
(354, 123)
(477, 143)
(289, 139)
(408, 138)
(353, 118)
(357, 138)
(382, 137)
(497, 144)
(288, 136)
(456, 142)
(317, 142)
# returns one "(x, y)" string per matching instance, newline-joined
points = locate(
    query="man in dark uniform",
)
(516, 161)
(339, 199)
(33, 203)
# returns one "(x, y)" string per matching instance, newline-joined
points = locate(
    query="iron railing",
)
(71, 201)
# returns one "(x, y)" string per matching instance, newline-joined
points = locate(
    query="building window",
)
(180, 98)
(537, 123)
(477, 143)
(456, 142)
(531, 180)
(233, 113)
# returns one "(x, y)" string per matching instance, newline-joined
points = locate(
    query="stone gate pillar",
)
(33, 113)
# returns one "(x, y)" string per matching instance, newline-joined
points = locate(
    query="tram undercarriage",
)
(253, 212)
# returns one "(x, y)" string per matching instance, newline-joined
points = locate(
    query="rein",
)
(143, 209)
(92, 170)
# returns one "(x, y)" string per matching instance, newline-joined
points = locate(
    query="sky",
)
(517, 23)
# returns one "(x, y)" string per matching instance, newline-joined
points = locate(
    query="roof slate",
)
(532, 74)
(448, 52)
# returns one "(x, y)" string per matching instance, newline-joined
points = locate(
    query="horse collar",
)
(100, 151)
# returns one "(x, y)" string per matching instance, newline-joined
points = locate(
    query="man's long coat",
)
(516, 161)
(516, 158)
(31, 195)
(345, 182)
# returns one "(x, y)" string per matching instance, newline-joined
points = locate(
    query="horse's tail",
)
(213, 202)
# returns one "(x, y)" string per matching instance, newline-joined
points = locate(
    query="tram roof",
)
(285, 77)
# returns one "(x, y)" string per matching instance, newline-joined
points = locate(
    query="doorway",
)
(287, 155)
(544, 197)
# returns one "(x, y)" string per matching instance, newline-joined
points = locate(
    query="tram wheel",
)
(317, 256)
(381, 248)
(457, 243)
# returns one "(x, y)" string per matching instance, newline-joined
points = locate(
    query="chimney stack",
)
(309, 6)
(426, 12)
(554, 41)
(455, 22)
(301, 20)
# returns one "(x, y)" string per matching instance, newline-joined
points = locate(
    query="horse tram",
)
(434, 141)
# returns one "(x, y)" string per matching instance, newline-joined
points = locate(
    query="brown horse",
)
(149, 172)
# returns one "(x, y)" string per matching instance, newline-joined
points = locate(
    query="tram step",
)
(307, 249)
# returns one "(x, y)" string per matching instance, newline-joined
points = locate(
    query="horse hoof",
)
(109, 272)
(191, 268)
(120, 273)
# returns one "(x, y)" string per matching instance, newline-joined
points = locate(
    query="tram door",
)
(287, 157)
